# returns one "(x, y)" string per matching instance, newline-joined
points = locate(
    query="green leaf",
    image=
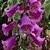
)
(46, 7)
(19, 1)
(46, 2)
(17, 16)
(12, 1)
(1, 0)
(14, 30)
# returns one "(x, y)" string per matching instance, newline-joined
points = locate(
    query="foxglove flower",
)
(38, 40)
(25, 25)
(9, 43)
(36, 11)
(35, 5)
(37, 30)
(36, 15)
(10, 12)
(6, 28)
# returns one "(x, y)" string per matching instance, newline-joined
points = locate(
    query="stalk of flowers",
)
(30, 16)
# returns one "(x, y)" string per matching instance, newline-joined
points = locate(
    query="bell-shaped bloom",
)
(36, 15)
(9, 43)
(35, 5)
(25, 25)
(10, 12)
(37, 30)
(6, 28)
(38, 40)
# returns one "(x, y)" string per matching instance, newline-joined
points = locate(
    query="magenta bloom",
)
(35, 5)
(37, 30)
(25, 25)
(10, 12)
(36, 15)
(9, 43)
(38, 40)
(6, 28)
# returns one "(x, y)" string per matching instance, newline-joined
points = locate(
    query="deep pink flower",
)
(37, 30)
(10, 12)
(9, 43)
(35, 5)
(25, 25)
(38, 40)
(36, 11)
(6, 28)
(36, 15)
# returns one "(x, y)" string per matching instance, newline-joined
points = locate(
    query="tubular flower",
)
(36, 11)
(36, 15)
(9, 43)
(35, 5)
(38, 40)
(6, 28)
(25, 25)
(10, 12)
(37, 30)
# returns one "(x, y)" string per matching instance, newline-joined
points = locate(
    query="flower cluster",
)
(31, 14)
